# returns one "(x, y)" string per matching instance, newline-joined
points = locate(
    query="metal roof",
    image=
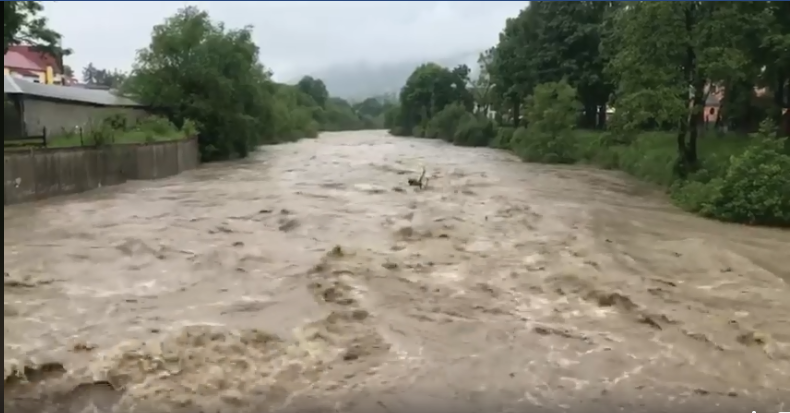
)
(9, 86)
(18, 86)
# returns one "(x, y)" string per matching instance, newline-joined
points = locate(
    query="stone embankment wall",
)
(37, 174)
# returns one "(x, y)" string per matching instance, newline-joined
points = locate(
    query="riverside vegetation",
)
(546, 89)
(198, 76)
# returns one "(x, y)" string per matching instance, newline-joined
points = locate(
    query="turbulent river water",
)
(311, 275)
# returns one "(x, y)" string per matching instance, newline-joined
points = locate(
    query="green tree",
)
(23, 24)
(558, 66)
(482, 86)
(370, 107)
(197, 69)
(315, 88)
(550, 41)
(775, 49)
(103, 77)
(552, 111)
(513, 71)
(428, 90)
(667, 55)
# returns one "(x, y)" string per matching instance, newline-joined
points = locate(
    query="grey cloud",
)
(294, 37)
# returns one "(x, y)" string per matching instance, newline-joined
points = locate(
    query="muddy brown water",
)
(312, 274)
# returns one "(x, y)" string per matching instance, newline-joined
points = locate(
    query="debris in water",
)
(390, 265)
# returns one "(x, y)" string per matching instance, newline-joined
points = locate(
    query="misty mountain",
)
(362, 80)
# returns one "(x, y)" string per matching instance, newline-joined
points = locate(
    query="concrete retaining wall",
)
(43, 173)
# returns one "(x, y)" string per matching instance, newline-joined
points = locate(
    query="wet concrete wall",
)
(43, 173)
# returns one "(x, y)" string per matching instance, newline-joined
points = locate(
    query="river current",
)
(311, 274)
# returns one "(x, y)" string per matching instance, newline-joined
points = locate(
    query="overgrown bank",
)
(742, 179)
(694, 96)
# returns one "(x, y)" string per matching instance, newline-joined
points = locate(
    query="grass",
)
(739, 178)
(651, 156)
(134, 136)
(114, 131)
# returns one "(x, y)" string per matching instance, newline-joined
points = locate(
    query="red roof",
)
(26, 56)
(16, 60)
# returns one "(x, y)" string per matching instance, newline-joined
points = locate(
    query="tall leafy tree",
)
(482, 86)
(24, 24)
(668, 55)
(315, 88)
(428, 90)
(197, 69)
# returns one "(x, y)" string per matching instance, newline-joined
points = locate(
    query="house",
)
(34, 65)
(715, 98)
(34, 107)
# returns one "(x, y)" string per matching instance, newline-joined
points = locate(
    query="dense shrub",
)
(474, 131)
(444, 124)
(552, 112)
(755, 188)
(503, 138)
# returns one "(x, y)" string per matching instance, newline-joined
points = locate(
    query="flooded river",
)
(313, 275)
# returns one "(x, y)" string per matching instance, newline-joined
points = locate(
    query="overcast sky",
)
(294, 37)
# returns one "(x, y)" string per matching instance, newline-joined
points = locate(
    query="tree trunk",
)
(590, 116)
(516, 113)
(681, 139)
(695, 119)
(602, 117)
(780, 101)
(691, 75)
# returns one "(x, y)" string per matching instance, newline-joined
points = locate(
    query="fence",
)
(37, 174)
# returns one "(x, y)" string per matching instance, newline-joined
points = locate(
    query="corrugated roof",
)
(9, 86)
(72, 94)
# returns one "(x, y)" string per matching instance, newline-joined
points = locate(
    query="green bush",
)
(755, 188)
(117, 121)
(739, 179)
(444, 124)
(190, 128)
(550, 137)
(535, 146)
(156, 124)
(474, 131)
(503, 138)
